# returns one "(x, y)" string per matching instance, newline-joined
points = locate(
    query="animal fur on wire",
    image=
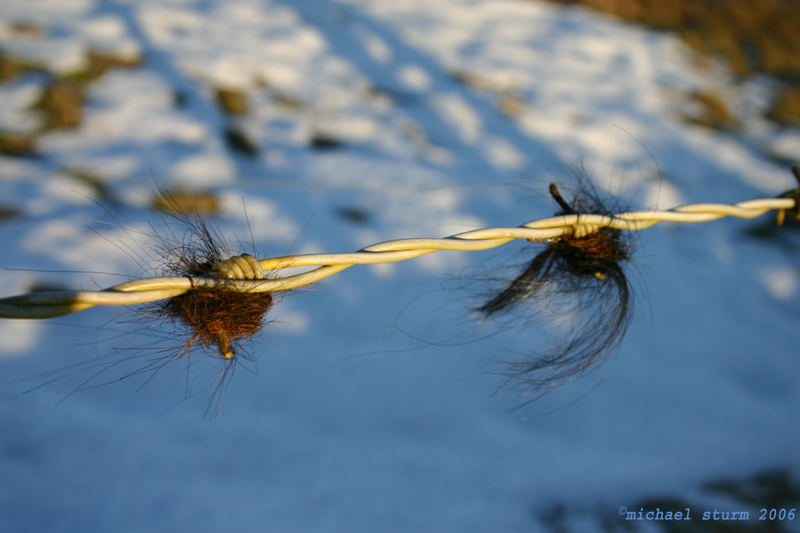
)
(219, 320)
(585, 273)
(215, 317)
(216, 321)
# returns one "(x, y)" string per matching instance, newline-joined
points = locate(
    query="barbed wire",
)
(229, 274)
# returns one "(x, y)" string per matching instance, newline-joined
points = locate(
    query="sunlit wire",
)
(57, 303)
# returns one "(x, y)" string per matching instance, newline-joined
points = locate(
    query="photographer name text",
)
(658, 514)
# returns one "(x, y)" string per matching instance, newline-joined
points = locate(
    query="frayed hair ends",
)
(575, 277)
(215, 319)
(218, 319)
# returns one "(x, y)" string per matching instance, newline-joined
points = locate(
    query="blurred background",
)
(377, 404)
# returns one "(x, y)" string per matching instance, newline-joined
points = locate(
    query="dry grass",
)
(62, 97)
(61, 102)
(712, 112)
(232, 101)
(17, 144)
(11, 67)
(751, 37)
(786, 109)
(754, 37)
(183, 202)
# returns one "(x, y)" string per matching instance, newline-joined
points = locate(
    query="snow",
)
(781, 282)
(13, 109)
(374, 405)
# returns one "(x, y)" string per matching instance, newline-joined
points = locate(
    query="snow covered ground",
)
(369, 121)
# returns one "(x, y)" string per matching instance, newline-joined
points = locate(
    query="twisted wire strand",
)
(57, 303)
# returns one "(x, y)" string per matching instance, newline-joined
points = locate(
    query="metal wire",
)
(57, 303)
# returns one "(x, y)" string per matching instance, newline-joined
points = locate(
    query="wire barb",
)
(793, 194)
(245, 273)
(243, 266)
(577, 275)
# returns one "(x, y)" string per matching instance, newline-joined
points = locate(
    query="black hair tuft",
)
(584, 274)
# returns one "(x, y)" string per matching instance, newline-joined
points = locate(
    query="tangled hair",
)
(214, 320)
(218, 320)
(579, 277)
